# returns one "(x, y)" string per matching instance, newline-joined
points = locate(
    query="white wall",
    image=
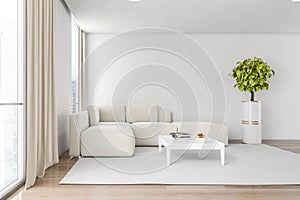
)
(63, 74)
(122, 77)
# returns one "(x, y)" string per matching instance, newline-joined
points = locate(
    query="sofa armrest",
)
(77, 123)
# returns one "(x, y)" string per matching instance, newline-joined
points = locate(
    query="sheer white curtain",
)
(42, 151)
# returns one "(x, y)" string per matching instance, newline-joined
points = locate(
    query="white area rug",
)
(245, 165)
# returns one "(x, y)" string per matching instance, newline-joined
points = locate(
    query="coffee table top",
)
(183, 143)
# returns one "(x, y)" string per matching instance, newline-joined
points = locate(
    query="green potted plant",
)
(252, 75)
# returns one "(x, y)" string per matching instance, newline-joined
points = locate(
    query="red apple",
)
(200, 135)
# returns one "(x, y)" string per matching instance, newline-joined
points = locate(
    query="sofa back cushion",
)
(141, 113)
(164, 115)
(112, 113)
(94, 115)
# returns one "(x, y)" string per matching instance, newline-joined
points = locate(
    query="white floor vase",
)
(252, 122)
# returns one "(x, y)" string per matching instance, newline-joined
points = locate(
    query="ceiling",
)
(188, 16)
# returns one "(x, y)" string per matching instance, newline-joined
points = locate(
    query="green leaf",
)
(252, 75)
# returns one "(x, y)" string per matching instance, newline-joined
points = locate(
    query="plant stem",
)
(252, 96)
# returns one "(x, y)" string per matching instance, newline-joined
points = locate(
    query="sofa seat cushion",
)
(108, 140)
(216, 131)
(146, 133)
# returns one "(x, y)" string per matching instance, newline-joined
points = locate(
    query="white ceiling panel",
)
(188, 16)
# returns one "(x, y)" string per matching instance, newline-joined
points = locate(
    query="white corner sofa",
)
(116, 130)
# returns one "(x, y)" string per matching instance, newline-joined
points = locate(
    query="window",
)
(11, 95)
(75, 84)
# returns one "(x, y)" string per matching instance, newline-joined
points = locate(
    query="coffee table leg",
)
(222, 152)
(168, 156)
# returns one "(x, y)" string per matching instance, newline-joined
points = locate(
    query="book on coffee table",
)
(181, 135)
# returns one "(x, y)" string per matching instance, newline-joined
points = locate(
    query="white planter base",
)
(252, 134)
(252, 122)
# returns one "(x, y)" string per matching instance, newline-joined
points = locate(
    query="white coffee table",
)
(184, 144)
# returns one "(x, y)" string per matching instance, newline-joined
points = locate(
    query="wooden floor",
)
(48, 187)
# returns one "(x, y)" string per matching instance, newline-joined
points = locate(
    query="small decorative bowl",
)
(200, 140)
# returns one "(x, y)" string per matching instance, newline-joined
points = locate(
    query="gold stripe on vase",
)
(252, 122)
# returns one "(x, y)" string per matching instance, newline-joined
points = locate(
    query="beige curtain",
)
(42, 150)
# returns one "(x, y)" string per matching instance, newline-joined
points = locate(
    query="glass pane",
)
(11, 92)
(8, 145)
(75, 69)
(8, 50)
